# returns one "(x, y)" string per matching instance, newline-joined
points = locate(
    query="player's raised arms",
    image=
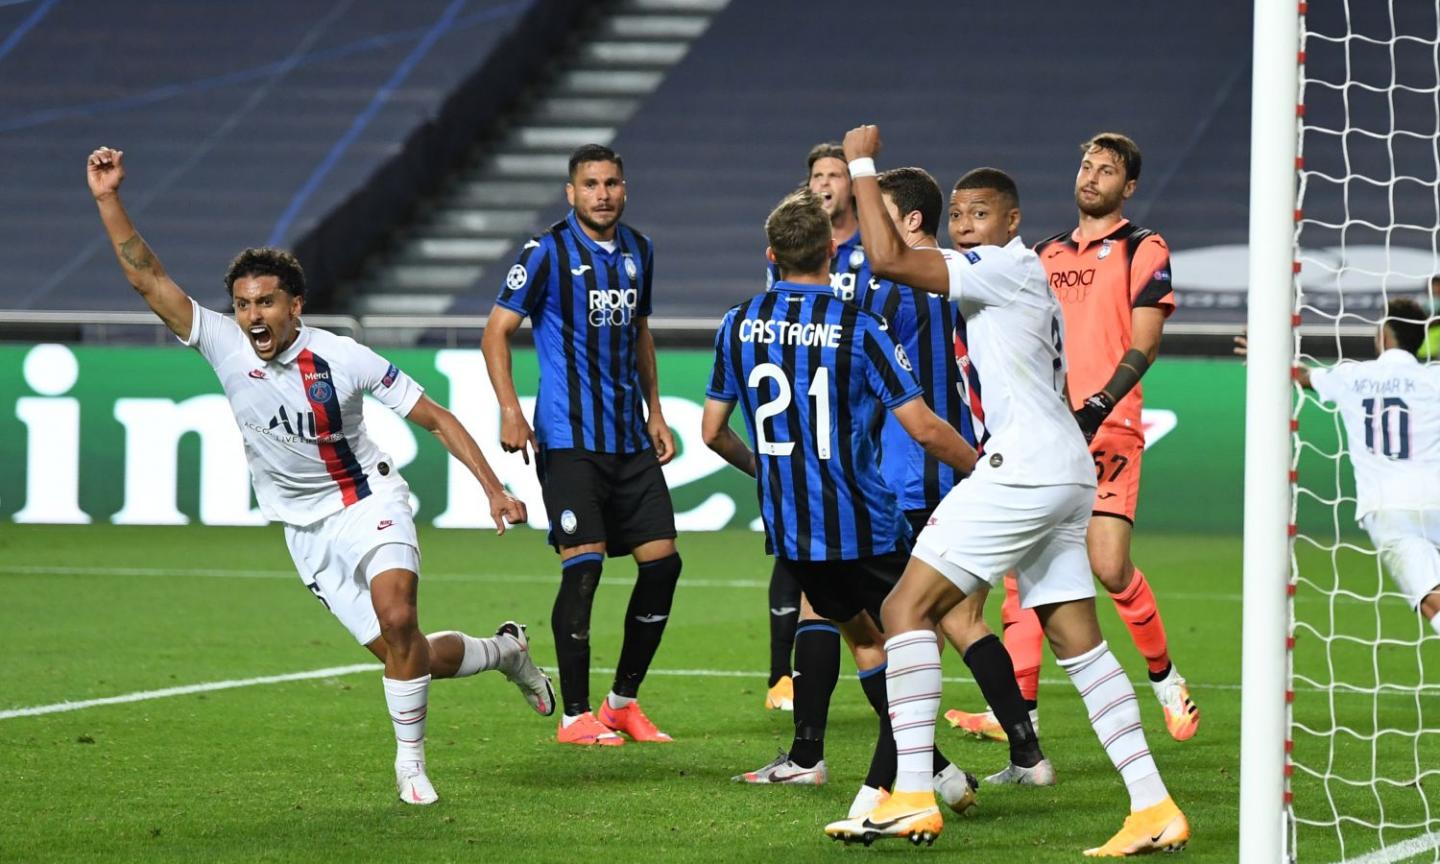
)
(105, 171)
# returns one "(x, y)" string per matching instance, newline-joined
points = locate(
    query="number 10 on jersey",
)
(819, 390)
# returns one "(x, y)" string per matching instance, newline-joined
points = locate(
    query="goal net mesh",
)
(1364, 750)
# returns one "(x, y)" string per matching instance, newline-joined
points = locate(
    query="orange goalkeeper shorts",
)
(1117, 456)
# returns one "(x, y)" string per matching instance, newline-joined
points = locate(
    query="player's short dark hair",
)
(798, 231)
(990, 178)
(267, 261)
(913, 189)
(823, 150)
(594, 153)
(1122, 146)
(1407, 323)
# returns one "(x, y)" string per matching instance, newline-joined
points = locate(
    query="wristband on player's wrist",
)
(862, 167)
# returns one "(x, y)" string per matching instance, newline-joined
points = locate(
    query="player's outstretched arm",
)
(937, 437)
(1302, 372)
(515, 431)
(889, 257)
(718, 436)
(661, 438)
(105, 171)
(429, 415)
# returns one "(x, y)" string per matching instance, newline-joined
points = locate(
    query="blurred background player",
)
(1112, 278)
(1391, 410)
(812, 375)
(1026, 508)
(296, 393)
(850, 280)
(599, 436)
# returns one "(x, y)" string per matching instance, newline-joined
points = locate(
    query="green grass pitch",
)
(300, 771)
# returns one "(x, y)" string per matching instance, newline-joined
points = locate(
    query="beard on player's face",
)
(1096, 202)
(600, 218)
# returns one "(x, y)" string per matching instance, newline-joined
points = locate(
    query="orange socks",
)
(1136, 605)
(1024, 640)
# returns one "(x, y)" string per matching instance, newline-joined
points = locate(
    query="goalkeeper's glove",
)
(1092, 412)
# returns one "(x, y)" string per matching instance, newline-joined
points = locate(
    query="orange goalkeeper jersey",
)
(1098, 283)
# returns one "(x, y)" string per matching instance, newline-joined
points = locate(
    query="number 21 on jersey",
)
(819, 390)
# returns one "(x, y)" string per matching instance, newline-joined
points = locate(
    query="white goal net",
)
(1364, 712)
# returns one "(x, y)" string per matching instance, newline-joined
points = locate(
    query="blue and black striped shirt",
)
(583, 301)
(927, 325)
(812, 375)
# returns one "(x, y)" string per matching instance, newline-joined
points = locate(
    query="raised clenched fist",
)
(105, 170)
(862, 141)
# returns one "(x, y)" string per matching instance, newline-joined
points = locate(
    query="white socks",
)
(912, 683)
(618, 702)
(407, 701)
(1115, 717)
(481, 655)
(1435, 623)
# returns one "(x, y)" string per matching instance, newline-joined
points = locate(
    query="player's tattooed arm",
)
(718, 436)
(105, 171)
(889, 257)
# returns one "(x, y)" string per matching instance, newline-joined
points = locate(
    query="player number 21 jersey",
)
(301, 415)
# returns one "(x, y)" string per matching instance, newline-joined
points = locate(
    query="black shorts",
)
(840, 590)
(619, 499)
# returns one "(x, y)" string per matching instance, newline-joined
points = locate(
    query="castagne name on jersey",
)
(809, 335)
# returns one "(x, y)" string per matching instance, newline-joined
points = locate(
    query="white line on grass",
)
(337, 671)
(1400, 851)
(144, 695)
(510, 578)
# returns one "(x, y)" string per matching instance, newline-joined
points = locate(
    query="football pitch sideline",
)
(298, 769)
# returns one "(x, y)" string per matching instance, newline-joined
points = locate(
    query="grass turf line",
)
(298, 771)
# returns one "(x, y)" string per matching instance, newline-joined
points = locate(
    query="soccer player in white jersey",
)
(1391, 410)
(297, 395)
(1026, 507)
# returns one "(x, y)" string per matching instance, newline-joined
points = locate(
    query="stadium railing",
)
(28, 325)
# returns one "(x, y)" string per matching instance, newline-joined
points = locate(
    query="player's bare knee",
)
(1115, 573)
(399, 622)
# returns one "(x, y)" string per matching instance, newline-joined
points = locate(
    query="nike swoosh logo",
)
(580, 271)
(784, 610)
(889, 822)
(651, 619)
(786, 778)
(533, 244)
(1103, 495)
(1156, 838)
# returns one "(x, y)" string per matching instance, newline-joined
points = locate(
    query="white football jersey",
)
(301, 417)
(1015, 333)
(1391, 410)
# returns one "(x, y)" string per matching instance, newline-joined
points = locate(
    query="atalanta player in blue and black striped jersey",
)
(812, 375)
(599, 436)
(828, 177)
(932, 332)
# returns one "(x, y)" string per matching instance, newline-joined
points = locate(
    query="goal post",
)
(1274, 136)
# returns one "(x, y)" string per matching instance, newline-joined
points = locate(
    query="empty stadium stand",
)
(313, 125)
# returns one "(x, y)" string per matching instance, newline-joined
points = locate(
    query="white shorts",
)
(339, 555)
(1406, 541)
(983, 530)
